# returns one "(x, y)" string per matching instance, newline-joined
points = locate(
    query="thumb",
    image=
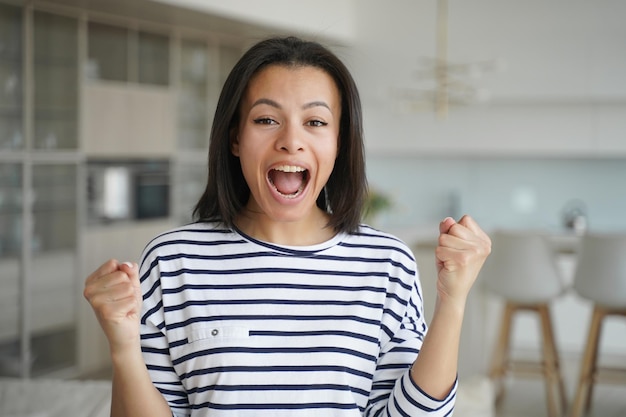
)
(132, 270)
(446, 224)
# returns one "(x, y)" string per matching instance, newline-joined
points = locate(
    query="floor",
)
(525, 397)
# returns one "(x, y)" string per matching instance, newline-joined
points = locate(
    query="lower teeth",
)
(290, 196)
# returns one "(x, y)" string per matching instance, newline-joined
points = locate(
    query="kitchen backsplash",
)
(501, 193)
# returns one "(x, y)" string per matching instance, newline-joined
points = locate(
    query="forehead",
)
(283, 79)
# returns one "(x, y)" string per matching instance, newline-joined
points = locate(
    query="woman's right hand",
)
(114, 293)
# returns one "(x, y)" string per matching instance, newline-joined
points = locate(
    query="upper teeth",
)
(289, 168)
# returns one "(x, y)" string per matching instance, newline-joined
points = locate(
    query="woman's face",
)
(287, 140)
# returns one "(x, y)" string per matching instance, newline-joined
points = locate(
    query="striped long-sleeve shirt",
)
(233, 326)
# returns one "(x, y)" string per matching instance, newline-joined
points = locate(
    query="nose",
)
(290, 139)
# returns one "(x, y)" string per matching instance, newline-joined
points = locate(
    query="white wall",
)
(559, 90)
(334, 19)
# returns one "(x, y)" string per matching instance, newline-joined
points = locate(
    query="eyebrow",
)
(275, 104)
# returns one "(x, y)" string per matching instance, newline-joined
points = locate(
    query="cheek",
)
(249, 158)
(328, 164)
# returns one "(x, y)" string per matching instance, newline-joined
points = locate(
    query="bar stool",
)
(522, 271)
(600, 278)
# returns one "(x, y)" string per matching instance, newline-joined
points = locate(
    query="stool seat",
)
(600, 278)
(522, 271)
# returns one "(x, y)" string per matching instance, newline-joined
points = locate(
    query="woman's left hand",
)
(462, 250)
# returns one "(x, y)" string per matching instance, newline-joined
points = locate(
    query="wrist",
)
(450, 307)
(123, 355)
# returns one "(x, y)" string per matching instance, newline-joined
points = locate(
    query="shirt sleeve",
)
(154, 342)
(394, 393)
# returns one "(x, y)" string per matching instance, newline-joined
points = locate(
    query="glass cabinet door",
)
(193, 117)
(11, 91)
(53, 281)
(38, 194)
(229, 56)
(108, 52)
(55, 58)
(153, 59)
(189, 179)
(11, 184)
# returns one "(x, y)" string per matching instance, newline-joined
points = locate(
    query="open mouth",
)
(288, 180)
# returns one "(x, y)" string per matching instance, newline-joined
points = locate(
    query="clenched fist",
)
(462, 251)
(114, 293)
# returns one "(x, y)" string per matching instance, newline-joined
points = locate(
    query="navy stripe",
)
(313, 333)
(266, 369)
(257, 317)
(298, 271)
(273, 350)
(271, 302)
(286, 286)
(273, 406)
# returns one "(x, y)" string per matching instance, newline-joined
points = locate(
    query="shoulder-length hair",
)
(226, 191)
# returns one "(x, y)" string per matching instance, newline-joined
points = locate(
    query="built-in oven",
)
(127, 190)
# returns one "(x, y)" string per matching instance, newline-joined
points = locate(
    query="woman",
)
(277, 302)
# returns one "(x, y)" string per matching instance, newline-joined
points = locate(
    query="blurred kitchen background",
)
(513, 111)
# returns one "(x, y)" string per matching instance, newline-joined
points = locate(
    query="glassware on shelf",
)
(193, 117)
(54, 206)
(11, 85)
(55, 51)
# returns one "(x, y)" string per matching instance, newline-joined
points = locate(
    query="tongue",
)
(286, 182)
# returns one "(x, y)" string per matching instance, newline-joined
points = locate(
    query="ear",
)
(234, 142)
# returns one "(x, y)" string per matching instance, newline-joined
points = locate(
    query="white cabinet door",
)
(123, 120)
(152, 122)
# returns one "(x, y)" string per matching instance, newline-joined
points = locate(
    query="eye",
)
(316, 123)
(265, 121)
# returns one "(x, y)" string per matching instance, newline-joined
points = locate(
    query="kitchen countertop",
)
(425, 237)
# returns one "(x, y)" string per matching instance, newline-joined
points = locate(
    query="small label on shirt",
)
(217, 333)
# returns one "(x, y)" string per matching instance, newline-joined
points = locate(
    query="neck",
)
(312, 231)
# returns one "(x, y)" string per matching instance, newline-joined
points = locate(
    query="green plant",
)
(376, 203)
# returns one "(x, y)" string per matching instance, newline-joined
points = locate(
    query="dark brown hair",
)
(226, 191)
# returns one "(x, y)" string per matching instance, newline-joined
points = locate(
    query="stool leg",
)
(602, 313)
(552, 373)
(582, 400)
(501, 353)
(557, 364)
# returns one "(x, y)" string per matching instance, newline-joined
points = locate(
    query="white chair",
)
(522, 271)
(600, 278)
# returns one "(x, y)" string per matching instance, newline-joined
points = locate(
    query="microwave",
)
(127, 190)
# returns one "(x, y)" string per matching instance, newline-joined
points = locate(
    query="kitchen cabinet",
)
(129, 107)
(128, 120)
(124, 54)
(11, 237)
(38, 268)
(108, 54)
(11, 78)
(10, 209)
(194, 116)
(55, 81)
(39, 189)
(203, 69)
(79, 84)
(153, 58)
